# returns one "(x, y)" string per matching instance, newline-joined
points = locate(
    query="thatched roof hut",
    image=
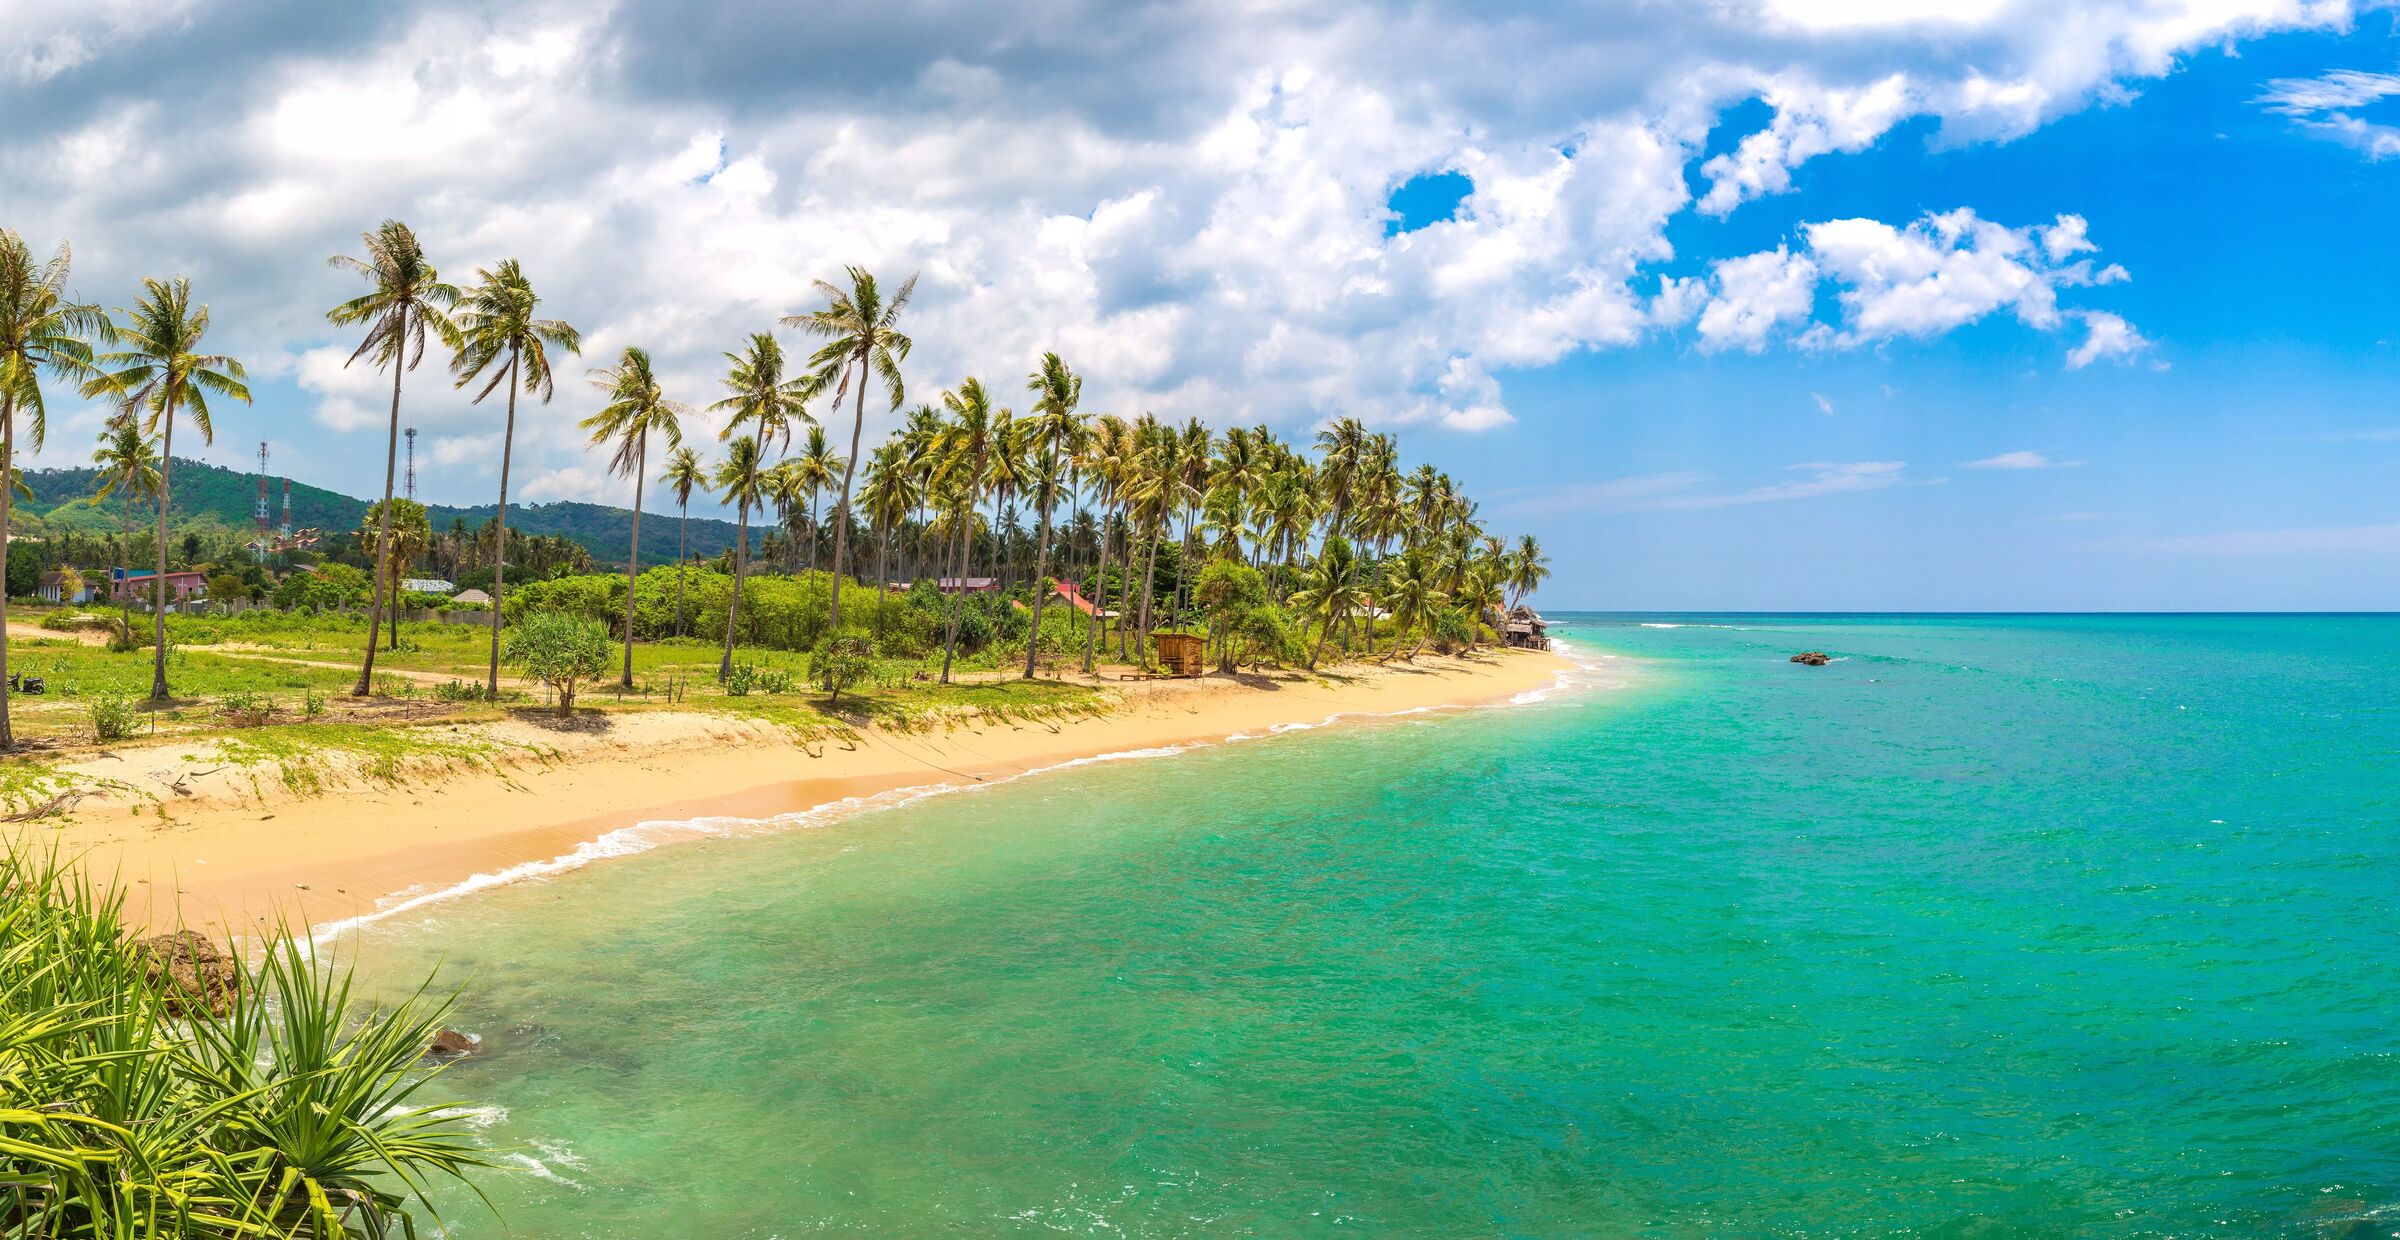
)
(1525, 629)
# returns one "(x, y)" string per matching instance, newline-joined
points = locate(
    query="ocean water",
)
(1991, 927)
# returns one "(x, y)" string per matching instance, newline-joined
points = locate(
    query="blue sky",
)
(1764, 304)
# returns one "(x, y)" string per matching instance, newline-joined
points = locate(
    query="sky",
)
(1734, 304)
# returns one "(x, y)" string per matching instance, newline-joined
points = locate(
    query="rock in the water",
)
(451, 1044)
(1814, 658)
(195, 975)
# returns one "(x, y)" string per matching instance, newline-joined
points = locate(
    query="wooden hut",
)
(1183, 654)
(1526, 630)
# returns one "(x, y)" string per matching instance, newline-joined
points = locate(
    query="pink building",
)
(137, 586)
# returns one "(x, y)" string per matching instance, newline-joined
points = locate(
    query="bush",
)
(245, 709)
(741, 680)
(841, 662)
(560, 650)
(113, 717)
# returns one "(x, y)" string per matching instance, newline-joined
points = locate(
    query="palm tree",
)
(1104, 456)
(636, 407)
(1057, 391)
(1528, 569)
(812, 470)
(407, 300)
(862, 341)
(763, 403)
(1331, 590)
(41, 330)
(961, 467)
(408, 532)
(157, 373)
(496, 321)
(128, 462)
(1410, 596)
(743, 482)
(684, 475)
(890, 493)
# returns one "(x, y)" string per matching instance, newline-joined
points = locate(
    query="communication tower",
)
(412, 462)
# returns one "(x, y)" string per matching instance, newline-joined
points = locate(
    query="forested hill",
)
(214, 495)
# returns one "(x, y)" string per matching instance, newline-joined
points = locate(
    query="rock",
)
(451, 1044)
(195, 975)
(1814, 658)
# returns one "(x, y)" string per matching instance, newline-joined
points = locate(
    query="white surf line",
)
(648, 835)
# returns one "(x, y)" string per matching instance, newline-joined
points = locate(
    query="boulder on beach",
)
(451, 1044)
(195, 975)
(1814, 658)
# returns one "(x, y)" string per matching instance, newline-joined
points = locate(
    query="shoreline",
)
(228, 864)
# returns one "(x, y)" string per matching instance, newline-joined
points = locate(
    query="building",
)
(473, 596)
(1525, 629)
(137, 586)
(969, 585)
(428, 585)
(53, 584)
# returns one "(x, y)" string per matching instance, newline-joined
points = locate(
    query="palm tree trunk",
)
(633, 555)
(383, 538)
(1041, 567)
(1149, 591)
(508, 439)
(682, 528)
(8, 456)
(741, 548)
(841, 512)
(158, 582)
(1091, 641)
(958, 602)
(1319, 652)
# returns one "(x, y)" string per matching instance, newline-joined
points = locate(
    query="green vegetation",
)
(561, 650)
(165, 1089)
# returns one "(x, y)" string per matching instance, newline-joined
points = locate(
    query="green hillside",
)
(214, 495)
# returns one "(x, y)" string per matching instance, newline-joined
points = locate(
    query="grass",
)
(306, 759)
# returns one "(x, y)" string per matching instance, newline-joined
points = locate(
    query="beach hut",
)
(1526, 630)
(1181, 653)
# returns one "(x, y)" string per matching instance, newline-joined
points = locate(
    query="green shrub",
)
(245, 708)
(841, 662)
(561, 650)
(113, 717)
(741, 680)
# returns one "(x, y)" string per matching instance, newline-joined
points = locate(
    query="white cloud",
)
(1754, 294)
(2329, 106)
(2345, 540)
(582, 482)
(2027, 459)
(1690, 489)
(2107, 336)
(1824, 403)
(1188, 202)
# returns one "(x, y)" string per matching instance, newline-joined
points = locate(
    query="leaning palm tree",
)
(684, 475)
(408, 300)
(496, 322)
(41, 331)
(157, 373)
(862, 341)
(637, 407)
(745, 483)
(1528, 568)
(1057, 390)
(1331, 590)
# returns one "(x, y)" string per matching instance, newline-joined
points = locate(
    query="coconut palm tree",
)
(1528, 568)
(763, 402)
(744, 482)
(962, 470)
(1049, 434)
(812, 471)
(1104, 457)
(1331, 590)
(892, 490)
(637, 408)
(128, 462)
(42, 331)
(862, 341)
(407, 302)
(1410, 595)
(502, 336)
(684, 475)
(158, 373)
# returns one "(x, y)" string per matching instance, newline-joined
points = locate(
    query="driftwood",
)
(59, 804)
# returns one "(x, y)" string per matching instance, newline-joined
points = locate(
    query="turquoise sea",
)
(1994, 926)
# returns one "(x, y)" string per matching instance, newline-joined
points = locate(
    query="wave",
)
(645, 836)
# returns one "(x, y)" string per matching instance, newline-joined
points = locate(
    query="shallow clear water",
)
(1991, 927)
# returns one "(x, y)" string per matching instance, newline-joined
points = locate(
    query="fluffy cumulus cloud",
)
(1188, 201)
(1929, 276)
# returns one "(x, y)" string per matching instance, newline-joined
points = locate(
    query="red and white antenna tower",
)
(411, 491)
(261, 511)
(287, 508)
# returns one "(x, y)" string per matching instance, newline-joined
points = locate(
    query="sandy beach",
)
(223, 851)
